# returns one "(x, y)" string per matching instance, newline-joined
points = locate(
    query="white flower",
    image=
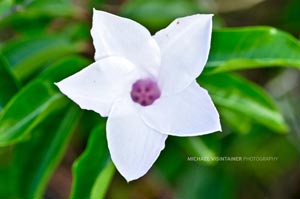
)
(146, 86)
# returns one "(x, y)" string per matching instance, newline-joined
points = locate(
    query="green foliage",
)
(27, 56)
(212, 183)
(26, 176)
(51, 8)
(26, 110)
(252, 47)
(8, 83)
(5, 5)
(245, 99)
(154, 13)
(63, 68)
(200, 147)
(93, 170)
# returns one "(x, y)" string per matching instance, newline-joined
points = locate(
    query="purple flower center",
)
(145, 92)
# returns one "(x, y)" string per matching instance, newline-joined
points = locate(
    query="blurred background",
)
(35, 34)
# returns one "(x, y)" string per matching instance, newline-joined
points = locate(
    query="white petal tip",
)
(131, 177)
(95, 10)
(220, 129)
(58, 85)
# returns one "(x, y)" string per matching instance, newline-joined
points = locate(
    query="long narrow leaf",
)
(253, 47)
(32, 162)
(93, 170)
(245, 99)
(34, 102)
(8, 83)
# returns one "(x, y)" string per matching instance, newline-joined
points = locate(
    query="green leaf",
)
(233, 119)
(254, 47)
(93, 170)
(29, 107)
(102, 182)
(52, 8)
(171, 153)
(28, 166)
(153, 13)
(8, 83)
(211, 182)
(245, 98)
(24, 9)
(198, 147)
(5, 6)
(63, 68)
(27, 56)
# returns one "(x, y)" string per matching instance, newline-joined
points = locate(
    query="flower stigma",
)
(145, 92)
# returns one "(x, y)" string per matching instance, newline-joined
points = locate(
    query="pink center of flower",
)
(145, 92)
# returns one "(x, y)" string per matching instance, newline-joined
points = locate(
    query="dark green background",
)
(49, 148)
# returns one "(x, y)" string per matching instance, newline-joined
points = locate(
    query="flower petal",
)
(184, 46)
(133, 146)
(98, 85)
(188, 113)
(118, 36)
